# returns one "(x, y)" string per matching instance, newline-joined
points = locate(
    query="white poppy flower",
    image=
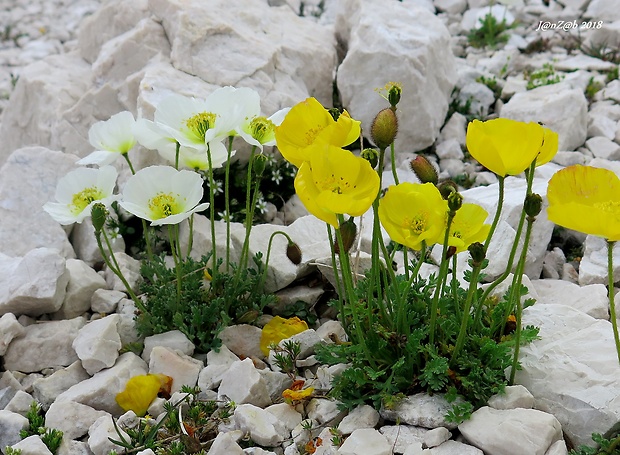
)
(78, 191)
(260, 131)
(163, 195)
(111, 138)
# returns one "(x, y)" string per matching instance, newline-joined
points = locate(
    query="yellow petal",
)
(549, 147)
(279, 329)
(140, 391)
(468, 227)
(297, 395)
(308, 193)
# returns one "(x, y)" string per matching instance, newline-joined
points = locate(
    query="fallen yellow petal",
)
(140, 391)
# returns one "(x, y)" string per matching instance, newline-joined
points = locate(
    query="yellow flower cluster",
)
(331, 181)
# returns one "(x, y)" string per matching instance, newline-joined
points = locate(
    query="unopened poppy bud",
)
(99, 214)
(394, 92)
(424, 170)
(293, 253)
(384, 128)
(477, 252)
(259, 164)
(455, 201)
(348, 231)
(248, 317)
(335, 113)
(533, 205)
(447, 188)
(372, 156)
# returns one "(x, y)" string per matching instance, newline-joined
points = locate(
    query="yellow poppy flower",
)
(291, 396)
(586, 199)
(140, 391)
(468, 227)
(279, 329)
(335, 181)
(308, 123)
(508, 147)
(412, 213)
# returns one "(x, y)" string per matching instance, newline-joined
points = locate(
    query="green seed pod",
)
(533, 205)
(424, 170)
(259, 164)
(384, 128)
(477, 252)
(372, 156)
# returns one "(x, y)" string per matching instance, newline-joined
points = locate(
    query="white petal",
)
(219, 154)
(100, 158)
(278, 117)
(151, 136)
(115, 134)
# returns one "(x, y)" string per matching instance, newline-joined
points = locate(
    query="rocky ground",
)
(65, 65)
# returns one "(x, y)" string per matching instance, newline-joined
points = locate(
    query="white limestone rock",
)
(451, 448)
(591, 299)
(559, 107)
(325, 375)
(557, 448)
(73, 419)
(218, 363)
(363, 416)
(473, 16)
(183, 369)
(449, 149)
(28, 179)
(287, 415)
(105, 300)
(292, 294)
(254, 45)
(307, 340)
(420, 410)
(600, 125)
(583, 62)
(173, 339)
(20, 403)
(451, 6)
(11, 424)
(419, 56)
(599, 9)
(97, 344)
(69, 447)
(130, 269)
(243, 340)
(489, 429)
(366, 440)
(43, 345)
(572, 370)
(480, 96)
(202, 242)
(99, 392)
(593, 264)
(9, 329)
(602, 147)
(435, 437)
(402, 436)
(83, 282)
(264, 427)
(36, 284)
(331, 329)
(45, 390)
(225, 444)
(127, 323)
(99, 435)
(514, 396)
(242, 383)
(324, 411)
(32, 445)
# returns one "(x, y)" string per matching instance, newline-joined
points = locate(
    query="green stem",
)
(145, 227)
(212, 212)
(227, 202)
(337, 279)
(473, 287)
(443, 272)
(498, 211)
(116, 269)
(455, 287)
(264, 275)
(249, 210)
(126, 156)
(176, 156)
(610, 284)
(402, 304)
(190, 241)
(173, 235)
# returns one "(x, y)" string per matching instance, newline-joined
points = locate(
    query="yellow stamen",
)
(199, 124)
(261, 128)
(81, 200)
(164, 205)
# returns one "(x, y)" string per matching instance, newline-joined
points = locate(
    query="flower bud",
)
(532, 205)
(99, 214)
(293, 253)
(455, 201)
(394, 92)
(447, 188)
(258, 164)
(335, 113)
(384, 128)
(348, 231)
(248, 317)
(477, 252)
(424, 170)
(372, 156)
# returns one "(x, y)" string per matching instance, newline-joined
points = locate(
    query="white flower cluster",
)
(187, 132)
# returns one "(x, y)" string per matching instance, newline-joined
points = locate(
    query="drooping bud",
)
(348, 231)
(532, 205)
(99, 214)
(477, 252)
(384, 128)
(394, 91)
(293, 253)
(424, 170)
(258, 164)
(372, 156)
(447, 188)
(248, 317)
(455, 201)
(335, 113)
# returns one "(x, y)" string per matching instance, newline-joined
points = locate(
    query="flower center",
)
(312, 133)
(335, 185)
(417, 224)
(261, 129)
(164, 205)
(81, 200)
(200, 123)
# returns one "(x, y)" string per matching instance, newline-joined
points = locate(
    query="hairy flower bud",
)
(348, 231)
(532, 205)
(259, 164)
(384, 128)
(455, 201)
(477, 252)
(99, 214)
(424, 170)
(372, 156)
(447, 188)
(293, 253)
